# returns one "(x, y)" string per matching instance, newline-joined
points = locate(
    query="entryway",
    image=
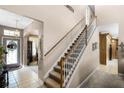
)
(12, 47)
(22, 40)
(11, 42)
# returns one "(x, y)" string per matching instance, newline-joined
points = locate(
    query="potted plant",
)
(1, 58)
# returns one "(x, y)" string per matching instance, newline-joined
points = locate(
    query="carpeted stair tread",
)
(55, 76)
(50, 83)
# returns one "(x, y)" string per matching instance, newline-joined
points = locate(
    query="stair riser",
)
(55, 78)
(58, 70)
(48, 85)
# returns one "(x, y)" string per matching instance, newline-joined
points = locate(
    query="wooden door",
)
(29, 52)
(114, 48)
(103, 53)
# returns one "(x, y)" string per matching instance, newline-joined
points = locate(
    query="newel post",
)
(62, 74)
(86, 35)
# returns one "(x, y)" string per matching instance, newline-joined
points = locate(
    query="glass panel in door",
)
(13, 51)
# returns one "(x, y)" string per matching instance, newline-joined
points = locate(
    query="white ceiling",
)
(110, 15)
(46, 12)
(113, 29)
(10, 19)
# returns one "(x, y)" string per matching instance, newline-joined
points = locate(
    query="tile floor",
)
(111, 67)
(26, 77)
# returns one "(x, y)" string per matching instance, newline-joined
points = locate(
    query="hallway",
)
(106, 77)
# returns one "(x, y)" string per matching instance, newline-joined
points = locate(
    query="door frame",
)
(15, 38)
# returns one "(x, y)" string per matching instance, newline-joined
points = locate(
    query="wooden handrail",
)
(63, 37)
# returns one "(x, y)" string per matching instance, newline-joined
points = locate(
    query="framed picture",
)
(94, 46)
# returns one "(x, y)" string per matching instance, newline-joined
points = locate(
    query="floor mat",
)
(13, 67)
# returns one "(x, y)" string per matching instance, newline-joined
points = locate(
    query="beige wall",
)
(88, 62)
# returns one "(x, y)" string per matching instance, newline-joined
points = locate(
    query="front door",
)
(12, 47)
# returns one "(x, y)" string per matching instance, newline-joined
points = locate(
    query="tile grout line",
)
(16, 80)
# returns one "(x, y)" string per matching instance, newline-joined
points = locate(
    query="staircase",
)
(62, 72)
